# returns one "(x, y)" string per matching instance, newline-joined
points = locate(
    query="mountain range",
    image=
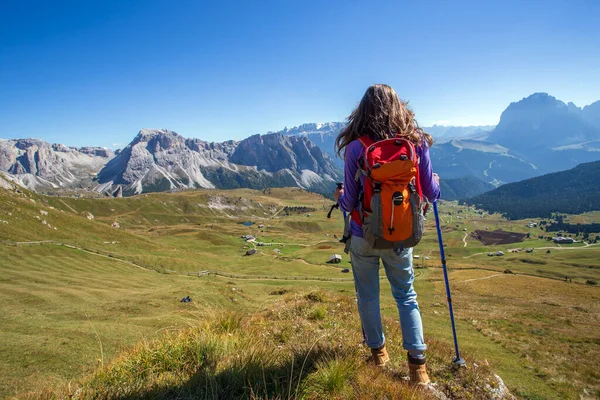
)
(160, 160)
(38, 165)
(324, 135)
(536, 135)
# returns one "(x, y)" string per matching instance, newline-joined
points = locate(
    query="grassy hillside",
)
(574, 192)
(83, 300)
(305, 345)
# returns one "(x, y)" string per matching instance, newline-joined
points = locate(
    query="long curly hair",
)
(381, 115)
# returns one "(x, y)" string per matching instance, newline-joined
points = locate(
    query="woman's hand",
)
(437, 178)
(338, 192)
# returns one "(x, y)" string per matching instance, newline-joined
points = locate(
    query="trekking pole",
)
(458, 360)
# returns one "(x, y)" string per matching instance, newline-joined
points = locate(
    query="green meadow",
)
(82, 301)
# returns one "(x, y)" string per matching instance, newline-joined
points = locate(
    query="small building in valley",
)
(335, 259)
(563, 240)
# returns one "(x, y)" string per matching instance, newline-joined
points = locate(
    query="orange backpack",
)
(391, 213)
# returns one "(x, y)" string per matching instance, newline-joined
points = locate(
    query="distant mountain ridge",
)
(40, 165)
(536, 135)
(548, 133)
(545, 122)
(325, 134)
(159, 160)
(574, 191)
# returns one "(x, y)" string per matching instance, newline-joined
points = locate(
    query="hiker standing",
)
(387, 172)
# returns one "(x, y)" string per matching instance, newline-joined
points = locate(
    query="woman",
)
(381, 115)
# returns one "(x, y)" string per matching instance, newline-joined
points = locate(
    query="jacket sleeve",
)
(430, 188)
(349, 200)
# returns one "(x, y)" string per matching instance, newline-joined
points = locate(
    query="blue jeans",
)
(400, 273)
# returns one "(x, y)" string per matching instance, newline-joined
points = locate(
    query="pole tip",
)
(459, 361)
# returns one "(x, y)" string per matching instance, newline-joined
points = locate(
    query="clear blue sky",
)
(87, 72)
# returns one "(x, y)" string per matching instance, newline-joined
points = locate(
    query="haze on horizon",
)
(96, 72)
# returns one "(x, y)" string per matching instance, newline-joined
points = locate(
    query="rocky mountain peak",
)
(157, 139)
(541, 120)
(274, 152)
(24, 144)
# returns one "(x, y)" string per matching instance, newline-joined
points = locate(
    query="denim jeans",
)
(400, 273)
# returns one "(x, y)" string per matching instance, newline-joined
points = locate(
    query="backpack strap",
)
(356, 215)
(366, 141)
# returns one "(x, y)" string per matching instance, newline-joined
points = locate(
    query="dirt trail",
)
(105, 256)
(558, 248)
(277, 213)
(485, 277)
(69, 207)
(465, 239)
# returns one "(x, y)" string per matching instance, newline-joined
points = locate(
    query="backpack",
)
(391, 212)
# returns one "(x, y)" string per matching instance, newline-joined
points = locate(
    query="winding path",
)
(485, 277)
(587, 246)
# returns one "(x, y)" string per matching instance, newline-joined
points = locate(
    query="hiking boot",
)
(379, 356)
(418, 371)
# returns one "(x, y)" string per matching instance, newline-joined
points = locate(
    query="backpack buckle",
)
(397, 198)
(412, 188)
(377, 187)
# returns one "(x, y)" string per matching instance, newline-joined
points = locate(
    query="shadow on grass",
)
(250, 378)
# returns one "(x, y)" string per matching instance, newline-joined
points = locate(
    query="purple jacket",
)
(352, 189)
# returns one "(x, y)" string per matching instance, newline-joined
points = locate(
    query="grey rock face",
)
(274, 152)
(322, 135)
(41, 166)
(158, 160)
(118, 193)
